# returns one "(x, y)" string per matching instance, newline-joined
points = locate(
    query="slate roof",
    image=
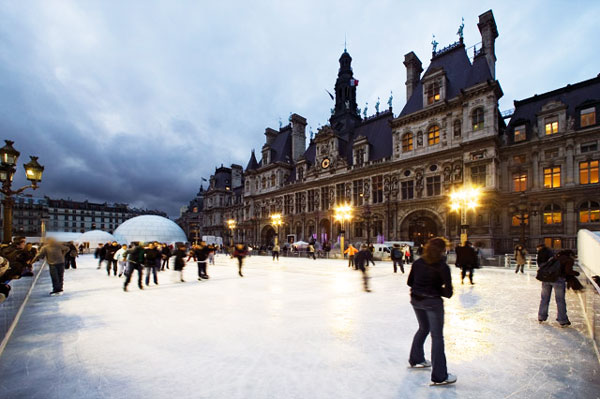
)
(460, 74)
(573, 96)
(379, 135)
(252, 163)
(281, 147)
(222, 177)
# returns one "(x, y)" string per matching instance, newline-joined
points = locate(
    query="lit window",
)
(589, 212)
(588, 172)
(552, 177)
(516, 219)
(588, 117)
(407, 142)
(520, 182)
(433, 93)
(457, 128)
(478, 119)
(554, 243)
(551, 125)
(520, 134)
(433, 135)
(552, 214)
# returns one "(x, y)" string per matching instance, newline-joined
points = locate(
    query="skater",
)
(363, 257)
(166, 254)
(109, 255)
(54, 253)
(121, 258)
(430, 280)
(351, 251)
(135, 257)
(201, 257)
(520, 258)
(397, 258)
(275, 252)
(566, 259)
(99, 254)
(151, 259)
(71, 256)
(30, 253)
(466, 259)
(311, 251)
(240, 253)
(211, 254)
(180, 261)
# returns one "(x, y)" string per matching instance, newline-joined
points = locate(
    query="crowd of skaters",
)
(429, 277)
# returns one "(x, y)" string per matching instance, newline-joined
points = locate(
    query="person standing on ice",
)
(121, 258)
(240, 253)
(430, 280)
(520, 258)
(275, 252)
(180, 261)
(55, 256)
(311, 251)
(351, 251)
(151, 261)
(135, 257)
(397, 256)
(466, 259)
(201, 256)
(362, 259)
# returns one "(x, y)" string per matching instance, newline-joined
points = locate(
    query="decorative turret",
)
(345, 114)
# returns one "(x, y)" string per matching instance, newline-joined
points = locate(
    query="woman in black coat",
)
(429, 281)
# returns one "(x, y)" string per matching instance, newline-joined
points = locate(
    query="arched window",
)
(552, 214)
(477, 118)
(457, 128)
(589, 212)
(433, 135)
(407, 142)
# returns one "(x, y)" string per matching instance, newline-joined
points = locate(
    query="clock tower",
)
(346, 115)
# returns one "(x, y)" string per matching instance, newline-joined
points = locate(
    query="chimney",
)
(236, 175)
(489, 33)
(413, 72)
(271, 134)
(298, 136)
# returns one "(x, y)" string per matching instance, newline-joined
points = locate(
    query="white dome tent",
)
(95, 237)
(147, 228)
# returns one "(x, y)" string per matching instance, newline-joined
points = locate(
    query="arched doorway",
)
(267, 236)
(324, 231)
(420, 226)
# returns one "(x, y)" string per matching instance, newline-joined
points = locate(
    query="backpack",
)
(396, 254)
(549, 271)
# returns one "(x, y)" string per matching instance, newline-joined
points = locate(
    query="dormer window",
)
(433, 135)
(477, 118)
(588, 117)
(520, 134)
(433, 92)
(360, 156)
(407, 142)
(551, 125)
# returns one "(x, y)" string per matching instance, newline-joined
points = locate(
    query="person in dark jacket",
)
(135, 257)
(544, 254)
(361, 260)
(30, 253)
(109, 257)
(240, 253)
(430, 280)
(397, 258)
(99, 254)
(566, 259)
(201, 257)
(70, 256)
(466, 259)
(151, 259)
(166, 254)
(180, 261)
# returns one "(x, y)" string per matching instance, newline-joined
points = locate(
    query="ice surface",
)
(294, 329)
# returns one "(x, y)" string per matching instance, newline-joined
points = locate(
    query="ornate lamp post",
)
(521, 211)
(343, 214)
(33, 173)
(231, 225)
(276, 221)
(462, 200)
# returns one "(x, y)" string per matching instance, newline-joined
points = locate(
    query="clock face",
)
(325, 163)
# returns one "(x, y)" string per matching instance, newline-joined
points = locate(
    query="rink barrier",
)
(12, 308)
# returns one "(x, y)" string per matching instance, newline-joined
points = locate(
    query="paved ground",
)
(297, 329)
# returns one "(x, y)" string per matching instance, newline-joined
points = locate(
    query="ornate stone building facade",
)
(397, 171)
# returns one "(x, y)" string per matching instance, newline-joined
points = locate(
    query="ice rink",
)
(294, 329)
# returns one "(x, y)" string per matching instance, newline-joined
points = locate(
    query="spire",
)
(252, 163)
(345, 109)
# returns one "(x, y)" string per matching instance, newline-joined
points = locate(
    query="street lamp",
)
(33, 172)
(343, 213)
(462, 200)
(521, 212)
(276, 221)
(231, 224)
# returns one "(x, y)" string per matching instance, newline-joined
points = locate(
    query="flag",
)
(330, 95)
(353, 82)
(203, 179)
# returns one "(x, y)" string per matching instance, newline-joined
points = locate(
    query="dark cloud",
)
(135, 102)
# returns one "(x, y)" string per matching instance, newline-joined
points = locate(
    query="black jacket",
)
(430, 280)
(543, 255)
(110, 252)
(466, 256)
(150, 256)
(362, 258)
(201, 254)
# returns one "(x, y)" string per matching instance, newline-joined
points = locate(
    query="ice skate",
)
(450, 379)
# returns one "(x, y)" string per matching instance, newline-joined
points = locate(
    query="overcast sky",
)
(135, 101)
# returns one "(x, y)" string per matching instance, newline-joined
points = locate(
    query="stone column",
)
(570, 167)
(535, 170)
